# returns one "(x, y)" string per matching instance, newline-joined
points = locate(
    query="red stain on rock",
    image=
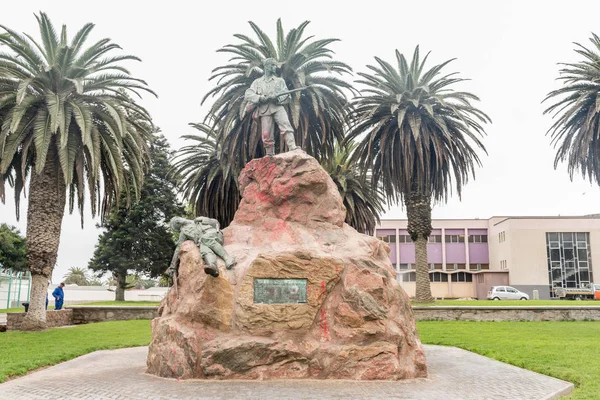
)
(290, 187)
(324, 326)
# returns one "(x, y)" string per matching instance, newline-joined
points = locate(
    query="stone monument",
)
(309, 296)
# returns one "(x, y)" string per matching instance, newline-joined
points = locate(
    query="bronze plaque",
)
(279, 291)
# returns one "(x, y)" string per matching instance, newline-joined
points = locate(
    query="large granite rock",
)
(357, 322)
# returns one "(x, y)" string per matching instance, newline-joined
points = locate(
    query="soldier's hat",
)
(269, 60)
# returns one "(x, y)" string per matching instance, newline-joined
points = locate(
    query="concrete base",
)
(453, 374)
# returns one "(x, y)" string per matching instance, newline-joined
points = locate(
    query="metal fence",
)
(14, 288)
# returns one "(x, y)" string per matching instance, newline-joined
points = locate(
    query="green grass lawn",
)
(18, 309)
(565, 350)
(503, 303)
(7, 310)
(24, 351)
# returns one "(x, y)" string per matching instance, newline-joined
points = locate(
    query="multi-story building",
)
(467, 256)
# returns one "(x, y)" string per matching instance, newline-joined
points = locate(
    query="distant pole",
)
(9, 287)
(29, 286)
(20, 276)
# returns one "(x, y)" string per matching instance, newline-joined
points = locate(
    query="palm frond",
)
(63, 96)
(319, 114)
(208, 182)
(417, 135)
(576, 109)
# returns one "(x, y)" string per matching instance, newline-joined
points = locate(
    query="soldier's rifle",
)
(250, 107)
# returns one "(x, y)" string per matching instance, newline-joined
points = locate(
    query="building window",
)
(404, 239)
(387, 238)
(503, 264)
(435, 239)
(438, 277)
(409, 277)
(478, 238)
(569, 259)
(455, 238)
(501, 236)
(405, 266)
(479, 267)
(462, 277)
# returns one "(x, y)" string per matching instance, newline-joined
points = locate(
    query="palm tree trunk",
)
(418, 208)
(423, 285)
(121, 285)
(47, 196)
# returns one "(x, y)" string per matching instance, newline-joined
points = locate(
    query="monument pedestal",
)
(309, 297)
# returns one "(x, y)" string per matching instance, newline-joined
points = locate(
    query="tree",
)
(318, 114)
(65, 114)
(138, 281)
(94, 281)
(137, 238)
(363, 202)
(78, 276)
(419, 136)
(13, 254)
(208, 181)
(576, 132)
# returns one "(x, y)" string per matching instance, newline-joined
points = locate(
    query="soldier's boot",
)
(290, 141)
(230, 262)
(210, 265)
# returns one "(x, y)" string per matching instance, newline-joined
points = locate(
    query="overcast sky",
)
(509, 50)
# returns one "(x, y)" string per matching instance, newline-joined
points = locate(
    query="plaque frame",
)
(281, 290)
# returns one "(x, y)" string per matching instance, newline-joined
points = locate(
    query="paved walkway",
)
(119, 374)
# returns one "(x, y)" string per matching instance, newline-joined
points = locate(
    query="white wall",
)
(86, 294)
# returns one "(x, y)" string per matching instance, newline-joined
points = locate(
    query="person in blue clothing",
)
(47, 295)
(59, 296)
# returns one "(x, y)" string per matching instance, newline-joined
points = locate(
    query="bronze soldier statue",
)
(207, 236)
(268, 94)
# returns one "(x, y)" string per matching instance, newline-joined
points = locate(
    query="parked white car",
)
(506, 293)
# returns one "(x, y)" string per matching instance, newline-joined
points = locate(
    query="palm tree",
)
(363, 202)
(419, 137)
(78, 276)
(576, 132)
(208, 183)
(66, 114)
(318, 114)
